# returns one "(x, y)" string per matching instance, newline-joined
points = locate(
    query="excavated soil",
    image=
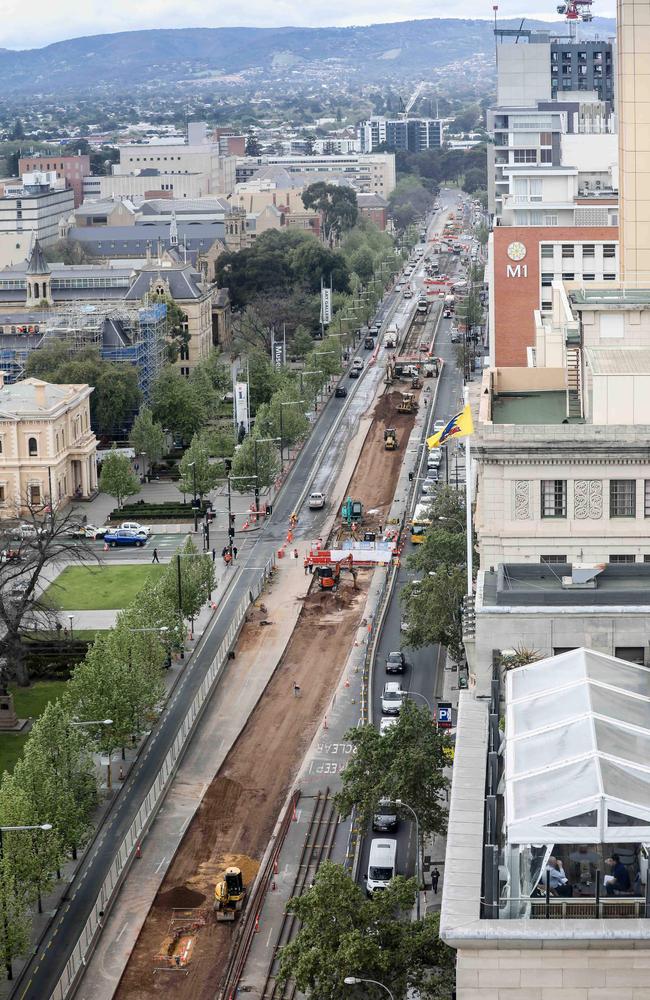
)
(240, 808)
(377, 471)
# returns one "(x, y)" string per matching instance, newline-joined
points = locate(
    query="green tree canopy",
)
(344, 934)
(337, 205)
(117, 478)
(266, 467)
(196, 469)
(176, 406)
(405, 763)
(148, 437)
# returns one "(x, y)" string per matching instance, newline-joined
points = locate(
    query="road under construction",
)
(182, 949)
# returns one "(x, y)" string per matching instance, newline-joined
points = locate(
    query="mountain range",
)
(378, 51)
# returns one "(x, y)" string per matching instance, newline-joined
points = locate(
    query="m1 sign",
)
(516, 270)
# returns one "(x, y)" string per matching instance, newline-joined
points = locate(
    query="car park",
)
(340, 392)
(124, 536)
(392, 698)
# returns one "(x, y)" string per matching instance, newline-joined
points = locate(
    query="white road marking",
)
(122, 931)
(158, 868)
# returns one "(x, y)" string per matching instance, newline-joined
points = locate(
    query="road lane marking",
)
(122, 931)
(158, 869)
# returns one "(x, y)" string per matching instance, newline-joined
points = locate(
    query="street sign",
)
(444, 715)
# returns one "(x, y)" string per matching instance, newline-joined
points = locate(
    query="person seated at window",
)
(559, 883)
(619, 880)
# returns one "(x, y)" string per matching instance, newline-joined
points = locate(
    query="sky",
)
(40, 22)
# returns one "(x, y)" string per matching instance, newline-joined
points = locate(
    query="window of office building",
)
(546, 156)
(609, 249)
(547, 250)
(554, 560)
(545, 138)
(550, 220)
(567, 250)
(646, 498)
(622, 559)
(588, 250)
(568, 276)
(622, 498)
(633, 654)
(547, 280)
(588, 277)
(553, 497)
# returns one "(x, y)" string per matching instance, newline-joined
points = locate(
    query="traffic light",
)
(269, 510)
(231, 526)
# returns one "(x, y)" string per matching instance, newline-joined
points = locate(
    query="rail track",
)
(317, 847)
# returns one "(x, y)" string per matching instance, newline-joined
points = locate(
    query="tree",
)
(302, 342)
(117, 478)
(406, 763)
(203, 388)
(474, 180)
(433, 608)
(198, 474)
(178, 335)
(60, 752)
(66, 251)
(175, 405)
(197, 579)
(18, 131)
(148, 437)
(344, 934)
(23, 608)
(277, 420)
(266, 468)
(337, 205)
(445, 539)
(253, 146)
(363, 264)
(219, 374)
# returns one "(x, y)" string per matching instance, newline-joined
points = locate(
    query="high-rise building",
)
(413, 135)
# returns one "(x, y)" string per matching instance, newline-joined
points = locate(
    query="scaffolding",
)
(122, 334)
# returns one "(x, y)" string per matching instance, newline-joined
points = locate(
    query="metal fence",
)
(154, 796)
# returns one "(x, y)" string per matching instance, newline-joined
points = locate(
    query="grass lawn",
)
(28, 702)
(99, 588)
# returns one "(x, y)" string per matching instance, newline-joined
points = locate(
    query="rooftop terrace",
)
(529, 407)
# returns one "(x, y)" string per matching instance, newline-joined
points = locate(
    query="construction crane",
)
(574, 11)
(405, 109)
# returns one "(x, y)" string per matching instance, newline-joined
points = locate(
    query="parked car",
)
(91, 531)
(404, 625)
(141, 529)
(27, 531)
(340, 392)
(10, 555)
(385, 816)
(392, 698)
(124, 536)
(17, 592)
(395, 663)
(434, 458)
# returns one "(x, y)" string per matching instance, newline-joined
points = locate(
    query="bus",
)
(420, 523)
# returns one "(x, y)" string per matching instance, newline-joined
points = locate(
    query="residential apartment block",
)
(413, 135)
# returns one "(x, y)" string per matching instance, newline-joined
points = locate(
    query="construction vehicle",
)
(351, 511)
(328, 576)
(408, 403)
(390, 439)
(229, 894)
(416, 382)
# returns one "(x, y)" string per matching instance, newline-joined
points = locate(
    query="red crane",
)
(576, 10)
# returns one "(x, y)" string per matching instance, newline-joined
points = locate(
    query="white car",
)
(434, 458)
(439, 425)
(140, 529)
(392, 698)
(317, 500)
(430, 485)
(387, 724)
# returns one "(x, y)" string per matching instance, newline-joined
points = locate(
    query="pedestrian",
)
(214, 555)
(306, 565)
(234, 551)
(435, 875)
(296, 690)
(155, 558)
(227, 558)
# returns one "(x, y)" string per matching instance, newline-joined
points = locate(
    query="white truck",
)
(390, 337)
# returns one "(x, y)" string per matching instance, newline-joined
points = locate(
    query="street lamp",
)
(405, 805)
(93, 722)
(257, 441)
(71, 619)
(353, 980)
(192, 466)
(13, 829)
(289, 402)
(416, 694)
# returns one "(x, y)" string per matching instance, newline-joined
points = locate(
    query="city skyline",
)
(43, 25)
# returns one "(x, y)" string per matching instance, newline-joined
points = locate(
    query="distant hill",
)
(377, 52)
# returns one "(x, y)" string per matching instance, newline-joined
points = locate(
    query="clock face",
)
(516, 251)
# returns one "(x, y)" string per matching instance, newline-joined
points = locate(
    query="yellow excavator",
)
(408, 403)
(390, 439)
(229, 894)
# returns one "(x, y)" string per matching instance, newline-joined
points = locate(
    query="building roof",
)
(577, 752)
(618, 360)
(370, 200)
(106, 241)
(106, 205)
(184, 282)
(534, 586)
(184, 206)
(37, 263)
(21, 398)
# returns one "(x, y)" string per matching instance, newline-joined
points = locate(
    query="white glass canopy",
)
(577, 751)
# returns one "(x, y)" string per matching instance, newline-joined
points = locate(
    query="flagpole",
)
(468, 501)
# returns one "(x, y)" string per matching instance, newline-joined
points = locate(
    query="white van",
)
(381, 864)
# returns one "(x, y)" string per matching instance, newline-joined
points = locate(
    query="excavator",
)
(229, 894)
(408, 403)
(390, 439)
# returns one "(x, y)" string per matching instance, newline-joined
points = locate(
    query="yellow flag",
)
(459, 426)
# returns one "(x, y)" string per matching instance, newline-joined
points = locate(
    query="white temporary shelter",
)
(577, 751)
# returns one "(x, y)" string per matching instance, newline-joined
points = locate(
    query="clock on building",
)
(516, 251)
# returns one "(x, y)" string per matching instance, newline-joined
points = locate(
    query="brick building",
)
(72, 169)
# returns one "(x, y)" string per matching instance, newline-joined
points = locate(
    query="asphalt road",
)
(319, 456)
(423, 665)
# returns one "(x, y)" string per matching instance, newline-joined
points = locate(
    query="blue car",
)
(125, 536)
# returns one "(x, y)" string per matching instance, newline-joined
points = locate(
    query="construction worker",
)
(306, 565)
(293, 520)
(227, 558)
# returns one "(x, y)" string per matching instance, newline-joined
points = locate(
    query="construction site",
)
(187, 936)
